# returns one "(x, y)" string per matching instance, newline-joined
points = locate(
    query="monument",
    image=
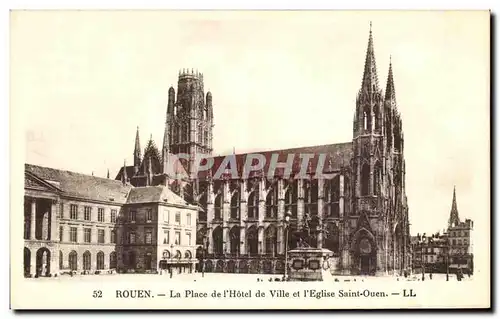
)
(307, 263)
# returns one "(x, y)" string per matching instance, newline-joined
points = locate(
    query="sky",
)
(81, 82)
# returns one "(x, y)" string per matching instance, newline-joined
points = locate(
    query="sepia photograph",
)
(250, 159)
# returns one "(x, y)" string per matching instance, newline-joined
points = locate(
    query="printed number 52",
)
(97, 294)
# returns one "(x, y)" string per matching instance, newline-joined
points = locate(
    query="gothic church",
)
(361, 215)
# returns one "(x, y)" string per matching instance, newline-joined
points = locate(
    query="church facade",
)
(360, 212)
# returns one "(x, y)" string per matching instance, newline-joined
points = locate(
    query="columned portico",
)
(33, 218)
(41, 237)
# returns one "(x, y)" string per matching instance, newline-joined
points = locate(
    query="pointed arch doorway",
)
(365, 256)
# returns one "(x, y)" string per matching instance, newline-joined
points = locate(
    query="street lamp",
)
(447, 259)
(288, 214)
(204, 255)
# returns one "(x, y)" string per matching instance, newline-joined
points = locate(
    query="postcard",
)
(250, 159)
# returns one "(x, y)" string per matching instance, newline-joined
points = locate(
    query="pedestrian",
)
(430, 276)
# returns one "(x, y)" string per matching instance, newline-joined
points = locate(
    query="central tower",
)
(189, 124)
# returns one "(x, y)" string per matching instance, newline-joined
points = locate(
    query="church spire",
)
(390, 91)
(370, 78)
(137, 151)
(454, 219)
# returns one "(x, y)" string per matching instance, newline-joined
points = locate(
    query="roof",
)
(130, 172)
(81, 185)
(153, 194)
(335, 157)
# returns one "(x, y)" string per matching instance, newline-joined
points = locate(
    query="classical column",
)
(33, 262)
(54, 229)
(33, 219)
(54, 263)
(45, 224)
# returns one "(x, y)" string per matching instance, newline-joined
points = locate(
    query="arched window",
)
(365, 121)
(291, 199)
(271, 240)
(332, 195)
(73, 260)
(100, 260)
(365, 179)
(112, 260)
(165, 254)
(235, 205)
(202, 214)
(184, 132)
(87, 260)
(200, 236)
(377, 179)
(331, 238)
(218, 207)
(200, 135)
(234, 237)
(311, 197)
(252, 241)
(397, 137)
(253, 205)
(272, 203)
(205, 138)
(218, 241)
(365, 247)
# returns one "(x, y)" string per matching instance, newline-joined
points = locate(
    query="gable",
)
(31, 181)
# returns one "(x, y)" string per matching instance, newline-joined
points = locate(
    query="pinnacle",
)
(454, 219)
(390, 91)
(137, 148)
(370, 78)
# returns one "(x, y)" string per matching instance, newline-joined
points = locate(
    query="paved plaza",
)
(237, 278)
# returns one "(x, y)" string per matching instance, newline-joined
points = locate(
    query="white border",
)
(192, 4)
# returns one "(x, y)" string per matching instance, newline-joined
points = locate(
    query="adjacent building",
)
(447, 251)
(86, 224)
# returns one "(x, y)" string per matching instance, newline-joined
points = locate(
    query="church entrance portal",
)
(365, 264)
(365, 256)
